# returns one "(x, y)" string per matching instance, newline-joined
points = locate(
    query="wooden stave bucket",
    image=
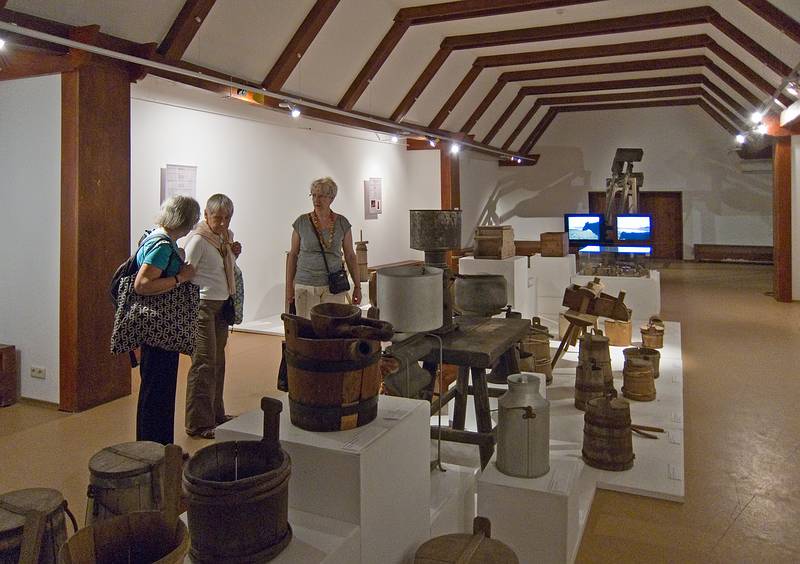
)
(124, 478)
(652, 337)
(594, 349)
(337, 392)
(638, 383)
(651, 355)
(239, 520)
(619, 333)
(590, 384)
(14, 506)
(607, 435)
(140, 536)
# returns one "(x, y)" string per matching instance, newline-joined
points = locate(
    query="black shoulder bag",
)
(337, 281)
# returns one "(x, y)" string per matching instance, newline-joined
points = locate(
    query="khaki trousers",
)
(204, 406)
(306, 297)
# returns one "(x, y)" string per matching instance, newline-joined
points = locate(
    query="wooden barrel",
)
(638, 383)
(593, 348)
(618, 332)
(238, 497)
(607, 436)
(538, 344)
(461, 548)
(333, 383)
(13, 509)
(591, 382)
(652, 336)
(142, 536)
(650, 355)
(124, 478)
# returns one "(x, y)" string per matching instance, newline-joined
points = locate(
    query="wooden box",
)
(9, 375)
(494, 242)
(555, 244)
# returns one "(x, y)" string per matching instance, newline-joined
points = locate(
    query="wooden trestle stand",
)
(585, 304)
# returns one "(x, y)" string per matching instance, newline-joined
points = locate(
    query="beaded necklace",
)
(318, 225)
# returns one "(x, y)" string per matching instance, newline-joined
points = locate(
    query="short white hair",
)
(179, 212)
(325, 186)
(219, 202)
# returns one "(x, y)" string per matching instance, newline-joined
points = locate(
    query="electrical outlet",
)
(38, 372)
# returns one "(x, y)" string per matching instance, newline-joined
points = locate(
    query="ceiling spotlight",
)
(740, 139)
(2, 43)
(454, 148)
(791, 88)
(756, 117)
(394, 139)
(431, 141)
(295, 112)
(762, 129)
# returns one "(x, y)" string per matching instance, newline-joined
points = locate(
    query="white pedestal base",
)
(552, 274)
(376, 476)
(642, 295)
(515, 271)
(453, 499)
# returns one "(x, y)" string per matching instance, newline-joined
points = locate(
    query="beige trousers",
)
(306, 297)
(204, 406)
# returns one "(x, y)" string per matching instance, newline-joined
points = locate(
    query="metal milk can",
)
(523, 429)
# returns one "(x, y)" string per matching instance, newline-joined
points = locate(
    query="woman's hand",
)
(289, 297)
(357, 295)
(236, 247)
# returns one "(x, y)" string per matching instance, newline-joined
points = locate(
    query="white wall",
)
(30, 199)
(265, 163)
(683, 150)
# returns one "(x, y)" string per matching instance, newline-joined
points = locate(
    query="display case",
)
(603, 260)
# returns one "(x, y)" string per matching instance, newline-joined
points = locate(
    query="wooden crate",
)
(555, 244)
(494, 242)
(9, 375)
(527, 248)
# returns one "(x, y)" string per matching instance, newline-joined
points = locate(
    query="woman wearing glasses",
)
(211, 249)
(319, 237)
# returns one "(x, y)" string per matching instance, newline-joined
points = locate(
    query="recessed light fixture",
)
(756, 117)
(454, 148)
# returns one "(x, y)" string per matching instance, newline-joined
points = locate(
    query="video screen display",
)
(584, 227)
(633, 228)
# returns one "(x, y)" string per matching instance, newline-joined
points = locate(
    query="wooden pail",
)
(594, 349)
(650, 355)
(618, 332)
(15, 505)
(607, 436)
(591, 382)
(461, 548)
(652, 336)
(538, 344)
(124, 478)
(139, 537)
(638, 383)
(333, 383)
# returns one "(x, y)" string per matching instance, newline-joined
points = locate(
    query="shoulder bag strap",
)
(319, 240)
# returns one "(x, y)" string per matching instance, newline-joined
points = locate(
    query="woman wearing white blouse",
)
(211, 250)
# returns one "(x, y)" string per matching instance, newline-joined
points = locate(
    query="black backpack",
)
(128, 268)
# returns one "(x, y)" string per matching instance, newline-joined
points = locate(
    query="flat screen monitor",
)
(634, 228)
(584, 226)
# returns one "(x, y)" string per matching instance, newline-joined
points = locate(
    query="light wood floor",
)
(741, 354)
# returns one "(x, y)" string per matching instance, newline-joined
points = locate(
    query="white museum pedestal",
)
(376, 476)
(452, 507)
(515, 271)
(553, 275)
(642, 295)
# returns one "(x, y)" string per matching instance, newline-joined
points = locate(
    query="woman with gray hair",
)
(211, 249)
(320, 241)
(160, 269)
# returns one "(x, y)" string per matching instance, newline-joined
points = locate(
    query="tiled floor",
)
(741, 354)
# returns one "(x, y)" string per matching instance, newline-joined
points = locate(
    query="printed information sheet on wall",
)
(178, 179)
(372, 188)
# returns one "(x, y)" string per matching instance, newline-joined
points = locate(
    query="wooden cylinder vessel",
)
(538, 344)
(650, 355)
(638, 383)
(14, 507)
(607, 436)
(461, 548)
(124, 478)
(593, 348)
(652, 336)
(618, 332)
(591, 382)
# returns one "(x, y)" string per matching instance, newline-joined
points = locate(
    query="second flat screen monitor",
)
(634, 228)
(583, 226)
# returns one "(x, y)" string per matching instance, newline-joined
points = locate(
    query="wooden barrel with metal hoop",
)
(653, 333)
(650, 355)
(538, 344)
(607, 435)
(638, 383)
(124, 478)
(238, 497)
(333, 383)
(15, 506)
(591, 382)
(461, 548)
(618, 332)
(594, 348)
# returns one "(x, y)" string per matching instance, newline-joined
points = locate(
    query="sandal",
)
(202, 434)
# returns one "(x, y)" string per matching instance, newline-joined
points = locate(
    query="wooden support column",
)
(451, 188)
(95, 229)
(782, 218)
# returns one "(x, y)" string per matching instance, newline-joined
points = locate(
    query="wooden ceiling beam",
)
(482, 107)
(612, 84)
(605, 68)
(504, 117)
(416, 89)
(184, 28)
(456, 96)
(744, 70)
(733, 130)
(538, 131)
(298, 44)
(522, 123)
(23, 63)
(748, 44)
(780, 20)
